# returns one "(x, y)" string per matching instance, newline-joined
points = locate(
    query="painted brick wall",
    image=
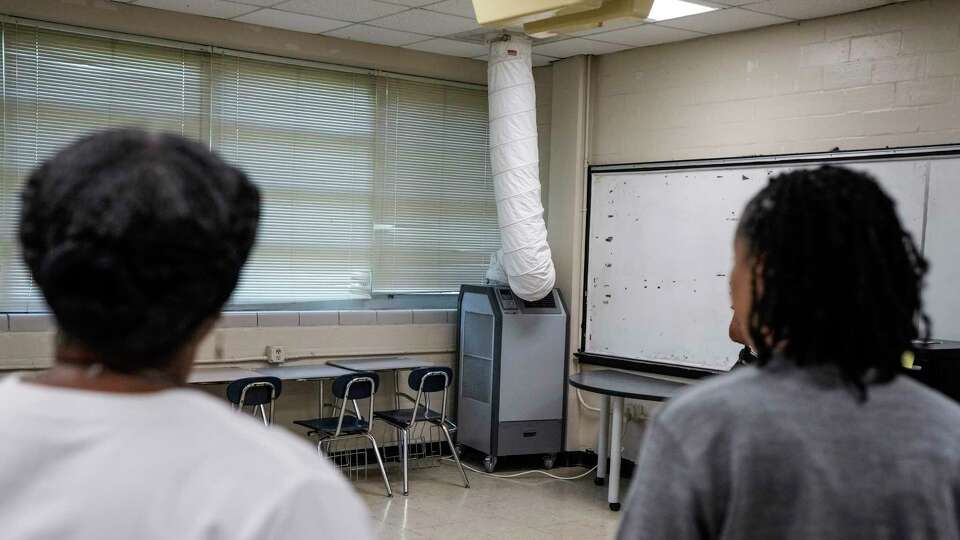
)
(889, 76)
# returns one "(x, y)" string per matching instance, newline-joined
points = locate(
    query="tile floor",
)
(532, 507)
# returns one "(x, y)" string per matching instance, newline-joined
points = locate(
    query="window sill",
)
(42, 322)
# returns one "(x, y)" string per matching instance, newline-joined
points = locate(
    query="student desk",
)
(218, 375)
(318, 372)
(614, 386)
(392, 363)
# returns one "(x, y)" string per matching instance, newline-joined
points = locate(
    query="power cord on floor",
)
(524, 473)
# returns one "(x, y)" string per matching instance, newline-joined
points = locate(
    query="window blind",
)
(307, 137)
(371, 184)
(59, 86)
(437, 221)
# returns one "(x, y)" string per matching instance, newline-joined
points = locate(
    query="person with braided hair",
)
(822, 437)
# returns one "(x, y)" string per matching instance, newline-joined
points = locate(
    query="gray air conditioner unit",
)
(512, 374)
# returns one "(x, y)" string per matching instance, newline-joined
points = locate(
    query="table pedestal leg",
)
(320, 396)
(613, 495)
(602, 439)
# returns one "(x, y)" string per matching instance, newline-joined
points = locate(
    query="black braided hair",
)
(135, 239)
(836, 278)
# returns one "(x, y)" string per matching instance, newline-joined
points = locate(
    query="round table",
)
(614, 386)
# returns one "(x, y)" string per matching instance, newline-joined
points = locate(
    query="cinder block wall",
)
(888, 76)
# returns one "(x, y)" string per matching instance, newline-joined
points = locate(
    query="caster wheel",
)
(615, 507)
(459, 450)
(548, 461)
(599, 481)
(489, 464)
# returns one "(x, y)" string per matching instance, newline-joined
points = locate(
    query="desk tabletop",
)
(218, 375)
(303, 373)
(380, 364)
(628, 385)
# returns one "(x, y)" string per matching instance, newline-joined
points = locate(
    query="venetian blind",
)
(437, 221)
(59, 86)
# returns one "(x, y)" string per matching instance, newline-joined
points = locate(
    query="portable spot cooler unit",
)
(512, 360)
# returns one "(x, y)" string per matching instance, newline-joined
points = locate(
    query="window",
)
(58, 86)
(307, 137)
(371, 184)
(437, 216)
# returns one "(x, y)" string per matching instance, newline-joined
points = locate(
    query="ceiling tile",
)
(413, 3)
(344, 10)
(648, 34)
(209, 8)
(575, 46)
(372, 34)
(422, 21)
(291, 21)
(811, 9)
(463, 8)
(727, 20)
(616, 24)
(449, 46)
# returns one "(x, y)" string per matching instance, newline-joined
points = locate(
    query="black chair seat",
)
(259, 392)
(351, 425)
(401, 417)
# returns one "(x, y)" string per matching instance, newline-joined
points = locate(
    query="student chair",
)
(425, 380)
(257, 392)
(350, 424)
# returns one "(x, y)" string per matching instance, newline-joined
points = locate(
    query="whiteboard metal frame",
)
(846, 156)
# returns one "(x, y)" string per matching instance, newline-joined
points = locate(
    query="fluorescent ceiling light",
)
(673, 9)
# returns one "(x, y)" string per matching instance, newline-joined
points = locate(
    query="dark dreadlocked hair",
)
(836, 279)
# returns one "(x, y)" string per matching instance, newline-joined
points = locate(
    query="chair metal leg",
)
(383, 471)
(404, 457)
(453, 449)
(263, 415)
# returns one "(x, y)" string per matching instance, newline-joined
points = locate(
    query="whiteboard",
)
(660, 248)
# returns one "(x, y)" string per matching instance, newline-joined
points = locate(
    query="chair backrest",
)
(432, 378)
(359, 389)
(259, 390)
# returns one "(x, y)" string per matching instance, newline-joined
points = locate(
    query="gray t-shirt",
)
(784, 452)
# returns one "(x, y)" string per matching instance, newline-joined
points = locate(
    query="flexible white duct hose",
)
(525, 254)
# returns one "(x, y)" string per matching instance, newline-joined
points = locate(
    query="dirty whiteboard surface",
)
(660, 251)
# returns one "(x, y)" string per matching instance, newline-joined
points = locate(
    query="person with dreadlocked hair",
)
(821, 438)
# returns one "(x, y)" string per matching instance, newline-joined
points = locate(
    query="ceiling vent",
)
(547, 18)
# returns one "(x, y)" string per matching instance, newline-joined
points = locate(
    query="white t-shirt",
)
(175, 464)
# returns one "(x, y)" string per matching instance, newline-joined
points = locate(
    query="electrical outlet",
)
(276, 354)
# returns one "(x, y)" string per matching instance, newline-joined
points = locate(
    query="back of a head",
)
(836, 277)
(135, 239)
